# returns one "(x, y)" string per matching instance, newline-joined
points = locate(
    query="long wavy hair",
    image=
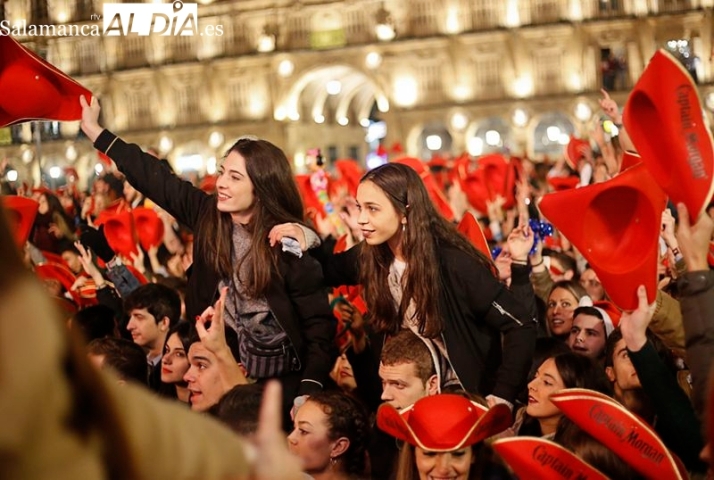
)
(425, 234)
(277, 200)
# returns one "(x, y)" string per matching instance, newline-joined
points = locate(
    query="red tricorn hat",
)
(663, 117)
(351, 172)
(615, 225)
(61, 273)
(617, 428)
(471, 229)
(540, 459)
(119, 230)
(21, 212)
(149, 227)
(495, 176)
(575, 150)
(563, 183)
(629, 159)
(444, 422)
(32, 89)
(435, 193)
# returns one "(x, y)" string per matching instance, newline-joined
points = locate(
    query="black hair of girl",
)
(277, 200)
(425, 233)
(347, 417)
(184, 331)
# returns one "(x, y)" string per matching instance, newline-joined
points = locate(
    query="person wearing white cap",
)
(591, 327)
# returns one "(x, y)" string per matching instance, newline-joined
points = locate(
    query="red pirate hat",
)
(119, 230)
(575, 150)
(621, 431)
(663, 117)
(435, 193)
(615, 225)
(149, 227)
(540, 459)
(563, 183)
(21, 212)
(32, 89)
(61, 273)
(471, 229)
(351, 172)
(444, 422)
(629, 159)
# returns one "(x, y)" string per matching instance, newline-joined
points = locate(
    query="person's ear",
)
(610, 372)
(164, 324)
(340, 447)
(569, 275)
(432, 385)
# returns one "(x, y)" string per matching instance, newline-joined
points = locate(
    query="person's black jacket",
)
(297, 296)
(476, 310)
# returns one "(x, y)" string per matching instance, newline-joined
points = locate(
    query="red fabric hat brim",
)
(615, 225)
(21, 213)
(617, 428)
(629, 159)
(471, 229)
(435, 193)
(443, 423)
(575, 150)
(540, 459)
(149, 227)
(664, 119)
(119, 231)
(563, 183)
(59, 272)
(33, 89)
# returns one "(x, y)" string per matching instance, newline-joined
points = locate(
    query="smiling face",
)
(378, 219)
(174, 363)
(587, 336)
(203, 378)
(561, 305)
(454, 465)
(235, 188)
(547, 380)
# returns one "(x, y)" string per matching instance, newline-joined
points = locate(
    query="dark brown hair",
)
(406, 347)
(277, 201)
(425, 234)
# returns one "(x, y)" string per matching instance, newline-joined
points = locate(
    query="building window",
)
(423, 17)
(613, 69)
(487, 14)
(488, 76)
(545, 11)
(548, 71)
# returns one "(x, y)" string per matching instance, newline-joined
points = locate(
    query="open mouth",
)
(222, 197)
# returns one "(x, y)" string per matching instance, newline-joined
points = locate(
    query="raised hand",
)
(694, 239)
(90, 118)
(213, 337)
(520, 241)
(609, 106)
(85, 258)
(633, 325)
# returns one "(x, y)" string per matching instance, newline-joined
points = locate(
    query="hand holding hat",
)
(90, 118)
(96, 240)
(694, 239)
(633, 325)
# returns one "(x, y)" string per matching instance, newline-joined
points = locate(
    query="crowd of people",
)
(422, 320)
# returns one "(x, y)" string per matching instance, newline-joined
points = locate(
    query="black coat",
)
(297, 297)
(489, 330)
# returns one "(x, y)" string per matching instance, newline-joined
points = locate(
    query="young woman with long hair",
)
(419, 273)
(276, 300)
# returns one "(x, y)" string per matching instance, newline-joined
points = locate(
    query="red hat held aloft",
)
(563, 183)
(664, 119)
(61, 273)
(540, 459)
(621, 431)
(119, 230)
(576, 150)
(471, 229)
(629, 159)
(33, 89)
(21, 212)
(444, 422)
(615, 225)
(149, 227)
(435, 193)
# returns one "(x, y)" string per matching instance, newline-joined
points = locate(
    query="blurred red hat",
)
(208, 183)
(663, 117)
(576, 150)
(629, 159)
(540, 459)
(437, 161)
(61, 273)
(21, 212)
(119, 230)
(563, 183)
(495, 176)
(313, 206)
(351, 172)
(615, 225)
(33, 89)
(444, 422)
(629, 437)
(396, 148)
(471, 229)
(435, 193)
(149, 227)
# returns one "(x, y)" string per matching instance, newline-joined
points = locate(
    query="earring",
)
(333, 461)
(404, 227)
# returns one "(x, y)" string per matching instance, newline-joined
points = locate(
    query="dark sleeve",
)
(108, 297)
(490, 300)
(365, 366)
(677, 423)
(697, 304)
(147, 174)
(340, 269)
(522, 288)
(308, 294)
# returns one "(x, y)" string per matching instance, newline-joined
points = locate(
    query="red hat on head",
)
(119, 230)
(351, 172)
(575, 150)
(61, 273)
(444, 422)
(615, 225)
(617, 428)
(32, 89)
(540, 459)
(610, 313)
(149, 227)
(21, 212)
(435, 193)
(471, 229)
(663, 117)
(629, 159)
(563, 183)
